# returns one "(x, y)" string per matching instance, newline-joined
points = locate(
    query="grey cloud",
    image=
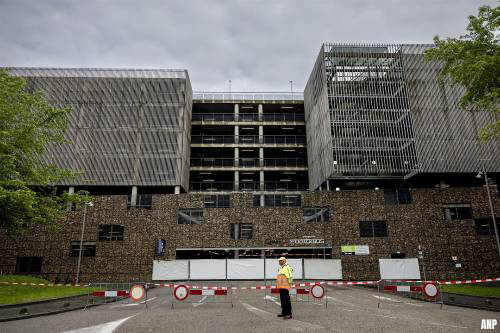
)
(260, 45)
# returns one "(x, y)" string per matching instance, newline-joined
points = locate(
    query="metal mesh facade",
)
(388, 117)
(446, 136)
(128, 127)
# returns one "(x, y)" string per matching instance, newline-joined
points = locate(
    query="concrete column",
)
(133, 197)
(177, 189)
(261, 157)
(261, 180)
(71, 190)
(236, 111)
(236, 180)
(260, 112)
(261, 134)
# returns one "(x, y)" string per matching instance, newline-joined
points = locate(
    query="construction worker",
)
(284, 282)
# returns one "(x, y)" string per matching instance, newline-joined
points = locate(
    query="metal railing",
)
(225, 186)
(249, 117)
(248, 96)
(248, 139)
(249, 162)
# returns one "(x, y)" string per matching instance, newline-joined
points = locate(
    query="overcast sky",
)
(258, 45)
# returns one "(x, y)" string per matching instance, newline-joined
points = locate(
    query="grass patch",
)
(13, 294)
(472, 290)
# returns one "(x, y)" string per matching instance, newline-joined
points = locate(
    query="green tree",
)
(28, 125)
(473, 61)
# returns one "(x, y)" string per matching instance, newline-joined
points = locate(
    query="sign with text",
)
(307, 241)
(358, 250)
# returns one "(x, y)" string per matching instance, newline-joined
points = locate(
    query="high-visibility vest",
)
(282, 282)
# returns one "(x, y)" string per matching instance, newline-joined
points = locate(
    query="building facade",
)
(375, 152)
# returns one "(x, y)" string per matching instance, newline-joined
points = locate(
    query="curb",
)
(8, 306)
(56, 311)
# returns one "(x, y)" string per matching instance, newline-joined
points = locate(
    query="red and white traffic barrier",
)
(110, 293)
(412, 289)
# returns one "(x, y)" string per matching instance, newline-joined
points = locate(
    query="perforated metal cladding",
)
(128, 127)
(371, 123)
(319, 138)
(446, 136)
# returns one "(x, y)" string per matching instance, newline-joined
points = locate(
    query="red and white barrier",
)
(412, 289)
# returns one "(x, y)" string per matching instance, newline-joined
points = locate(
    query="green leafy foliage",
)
(28, 124)
(473, 61)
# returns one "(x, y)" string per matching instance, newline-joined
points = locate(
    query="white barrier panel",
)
(207, 269)
(399, 269)
(323, 269)
(272, 267)
(170, 270)
(245, 269)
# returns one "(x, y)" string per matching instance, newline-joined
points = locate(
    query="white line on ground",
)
(386, 298)
(200, 302)
(273, 299)
(420, 305)
(102, 328)
(447, 325)
(132, 304)
(293, 324)
(149, 299)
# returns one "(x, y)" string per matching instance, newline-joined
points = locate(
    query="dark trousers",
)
(286, 305)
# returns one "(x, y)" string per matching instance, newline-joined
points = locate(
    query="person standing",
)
(284, 282)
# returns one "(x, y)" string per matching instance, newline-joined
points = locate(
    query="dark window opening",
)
(29, 265)
(457, 212)
(190, 216)
(484, 226)
(316, 214)
(88, 249)
(144, 201)
(256, 200)
(241, 231)
(217, 201)
(282, 200)
(400, 196)
(161, 245)
(110, 232)
(373, 228)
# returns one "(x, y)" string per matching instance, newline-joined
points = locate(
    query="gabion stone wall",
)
(419, 223)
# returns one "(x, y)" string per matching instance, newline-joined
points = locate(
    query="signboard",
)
(317, 291)
(307, 241)
(358, 250)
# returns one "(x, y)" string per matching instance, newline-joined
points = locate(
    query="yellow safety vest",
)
(284, 277)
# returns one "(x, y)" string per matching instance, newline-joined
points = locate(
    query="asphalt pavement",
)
(349, 309)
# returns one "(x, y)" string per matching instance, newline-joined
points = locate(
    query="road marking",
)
(200, 302)
(149, 299)
(293, 324)
(132, 304)
(272, 299)
(413, 304)
(102, 328)
(387, 298)
(447, 325)
(383, 316)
